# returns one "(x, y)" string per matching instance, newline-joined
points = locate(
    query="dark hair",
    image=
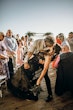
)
(70, 32)
(61, 35)
(49, 39)
(19, 42)
(57, 50)
(26, 36)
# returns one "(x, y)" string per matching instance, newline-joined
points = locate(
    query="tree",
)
(30, 34)
(48, 33)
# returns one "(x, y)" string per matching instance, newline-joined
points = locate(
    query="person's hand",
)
(13, 53)
(26, 66)
(41, 61)
(3, 57)
(38, 81)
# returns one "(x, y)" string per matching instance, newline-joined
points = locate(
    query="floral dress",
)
(3, 62)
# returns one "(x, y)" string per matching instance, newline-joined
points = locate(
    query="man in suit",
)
(38, 46)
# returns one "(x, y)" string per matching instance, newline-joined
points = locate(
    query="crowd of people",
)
(31, 55)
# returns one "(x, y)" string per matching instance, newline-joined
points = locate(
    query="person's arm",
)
(16, 45)
(3, 56)
(26, 65)
(56, 61)
(29, 54)
(46, 66)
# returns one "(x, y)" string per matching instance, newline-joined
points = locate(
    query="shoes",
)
(34, 93)
(35, 90)
(49, 98)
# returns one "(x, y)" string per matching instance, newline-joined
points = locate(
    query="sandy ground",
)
(65, 102)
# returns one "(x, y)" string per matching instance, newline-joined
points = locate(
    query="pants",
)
(34, 66)
(47, 80)
(10, 65)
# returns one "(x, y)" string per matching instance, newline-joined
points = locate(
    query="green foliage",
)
(47, 33)
(30, 34)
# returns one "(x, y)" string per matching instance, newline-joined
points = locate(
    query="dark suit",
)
(64, 80)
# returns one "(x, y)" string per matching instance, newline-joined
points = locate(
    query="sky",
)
(40, 16)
